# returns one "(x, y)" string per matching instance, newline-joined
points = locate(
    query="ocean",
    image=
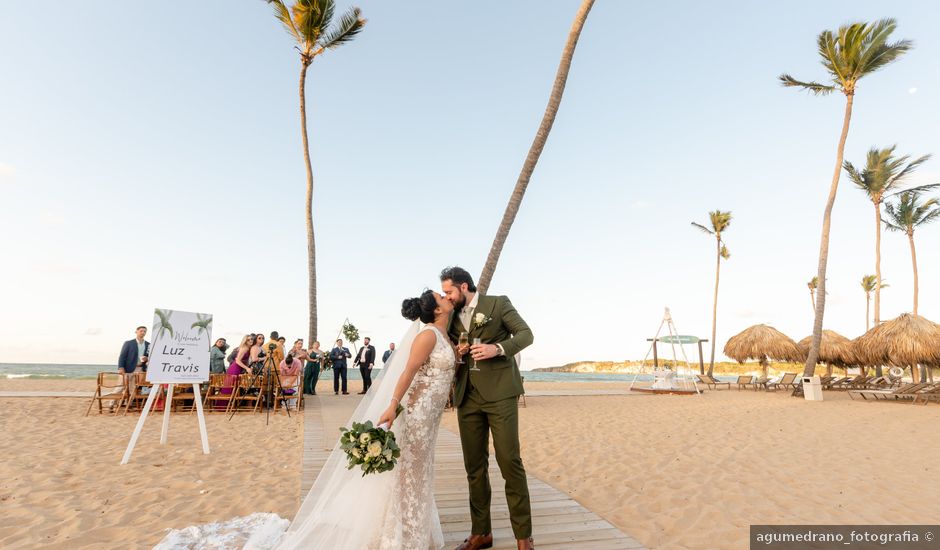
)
(46, 371)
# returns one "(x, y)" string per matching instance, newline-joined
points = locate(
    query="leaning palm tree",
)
(719, 222)
(161, 324)
(308, 22)
(812, 284)
(853, 52)
(883, 176)
(905, 216)
(535, 150)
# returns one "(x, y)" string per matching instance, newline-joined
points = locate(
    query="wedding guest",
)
(278, 352)
(240, 365)
(298, 349)
(388, 353)
(365, 360)
(256, 358)
(312, 368)
(134, 353)
(339, 355)
(217, 357)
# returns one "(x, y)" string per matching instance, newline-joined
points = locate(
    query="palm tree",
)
(203, 324)
(853, 52)
(812, 284)
(719, 222)
(308, 22)
(162, 324)
(883, 176)
(535, 150)
(905, 216)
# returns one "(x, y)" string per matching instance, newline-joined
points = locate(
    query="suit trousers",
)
(366, 373)
(339, 372)
(477, 418)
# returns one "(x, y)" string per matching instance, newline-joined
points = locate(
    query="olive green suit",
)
(486, 401)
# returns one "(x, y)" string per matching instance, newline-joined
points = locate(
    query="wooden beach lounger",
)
(788, 381)
(904, 392)
(932, 391)
(711, 382)
(744, 381)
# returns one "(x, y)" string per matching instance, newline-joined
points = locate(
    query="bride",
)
(392, 510)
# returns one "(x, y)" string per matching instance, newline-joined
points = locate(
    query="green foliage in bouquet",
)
(372, 449)
(351, 333)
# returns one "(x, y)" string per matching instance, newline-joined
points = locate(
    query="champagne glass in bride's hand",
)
(463, 346)
(476, 342)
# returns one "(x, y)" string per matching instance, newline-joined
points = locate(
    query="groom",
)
(488, 386)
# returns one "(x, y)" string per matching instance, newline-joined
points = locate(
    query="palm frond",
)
(350, 24)
(202, 324)
(703, 228)
(283, 15)
(164, 325)
(724, 252)
(813, 87)
(311, 17)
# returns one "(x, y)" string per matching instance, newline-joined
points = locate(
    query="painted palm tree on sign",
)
(203, 323)
(309, 23)
(162, 324)
(812, 285)
(883, 176)
(905, 216)
(535, 150)
(719, 222)
(848, 55)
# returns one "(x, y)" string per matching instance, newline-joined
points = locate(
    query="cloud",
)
(912, 91)
(6, 171)
(94, 331)
(48, 217)
(641, 204)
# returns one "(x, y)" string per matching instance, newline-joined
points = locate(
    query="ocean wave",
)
(259, 531)
(45, 376)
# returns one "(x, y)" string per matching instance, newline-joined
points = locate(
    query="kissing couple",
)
(396, 510)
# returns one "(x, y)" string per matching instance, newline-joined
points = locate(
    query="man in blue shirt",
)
(339, 355)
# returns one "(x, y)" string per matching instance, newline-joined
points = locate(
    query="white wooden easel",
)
(167, 402)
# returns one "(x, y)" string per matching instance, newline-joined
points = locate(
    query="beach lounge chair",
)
(760, 383)
(744, 382)
(712, 382)
(860, 382)
(788, 380)
(111, 387)
(906, 391)
(836, 382)
(931, 391)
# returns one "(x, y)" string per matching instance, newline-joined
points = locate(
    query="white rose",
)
(365, 438)
(478, 318)
(375, 449)
(356, 454)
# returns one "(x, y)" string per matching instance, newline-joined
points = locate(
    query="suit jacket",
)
(386, 355)
(339, 356)
(128, 359)
(498, 378)
(369, 358)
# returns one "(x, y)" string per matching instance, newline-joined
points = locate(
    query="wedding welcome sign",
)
(179, 355)
(180, 349)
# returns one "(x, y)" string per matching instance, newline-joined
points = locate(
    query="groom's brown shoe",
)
(476, 542)
(525, 544)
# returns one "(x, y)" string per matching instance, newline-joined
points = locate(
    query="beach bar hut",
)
(906, 341)
(763, 343)
(832, 350)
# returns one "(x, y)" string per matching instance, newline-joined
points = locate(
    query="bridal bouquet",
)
(372, 448)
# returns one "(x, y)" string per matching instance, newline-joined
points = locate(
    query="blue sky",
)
(150, 157)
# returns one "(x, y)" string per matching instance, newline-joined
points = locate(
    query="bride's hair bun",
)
(410, 309)
(421, 307)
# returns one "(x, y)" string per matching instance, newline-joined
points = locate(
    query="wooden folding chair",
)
(138, 390)
(110, 387)
(249, 389)
(281, 397)
(214, 392)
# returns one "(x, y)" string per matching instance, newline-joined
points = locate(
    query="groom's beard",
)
(458, 306)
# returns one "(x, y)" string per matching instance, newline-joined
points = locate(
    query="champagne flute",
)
(476, 342)
(463, 340)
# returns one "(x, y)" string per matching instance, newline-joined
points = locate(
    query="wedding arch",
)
(677, 378)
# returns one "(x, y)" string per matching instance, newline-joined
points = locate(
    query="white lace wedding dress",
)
(393, 510)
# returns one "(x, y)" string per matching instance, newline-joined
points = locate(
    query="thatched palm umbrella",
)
(907, 341)
(763, 343)
(831, 349)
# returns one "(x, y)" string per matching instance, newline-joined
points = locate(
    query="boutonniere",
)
(479, 320)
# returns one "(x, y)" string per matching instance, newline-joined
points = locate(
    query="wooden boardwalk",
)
(558, 521)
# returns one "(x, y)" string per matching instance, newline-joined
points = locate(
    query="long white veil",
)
(331, 515)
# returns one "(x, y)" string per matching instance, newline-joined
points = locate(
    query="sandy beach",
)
(672, 471)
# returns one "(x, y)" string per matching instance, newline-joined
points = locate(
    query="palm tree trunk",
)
(711, 362)
(910, 238)
(311, 242)
(877, 264)
(812, 298)
(810, 366)
(541, 136)
(867, 306)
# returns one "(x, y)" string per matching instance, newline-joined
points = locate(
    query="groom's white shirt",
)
(466, 317)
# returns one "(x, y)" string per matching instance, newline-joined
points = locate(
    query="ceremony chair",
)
(181, 393)
(110, 387)
(248, 389)
(214, 392)
(137, 395)
(283, 398)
